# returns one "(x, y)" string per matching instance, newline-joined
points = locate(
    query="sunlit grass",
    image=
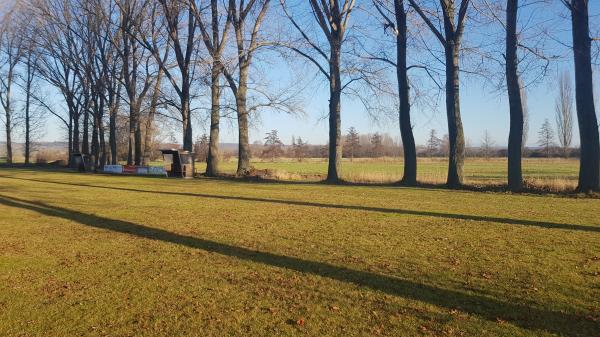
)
(94, 255)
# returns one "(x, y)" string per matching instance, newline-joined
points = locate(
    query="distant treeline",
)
(368, 146)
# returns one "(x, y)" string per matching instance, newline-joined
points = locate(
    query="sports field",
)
(95, 255)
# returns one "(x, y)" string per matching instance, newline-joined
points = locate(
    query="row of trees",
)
(355, 145)
(383, 145)
(155, 59)
(446, 20)
(139, 58)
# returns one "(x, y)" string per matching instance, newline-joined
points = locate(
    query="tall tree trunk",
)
(212, 160)
(112, 135)
(76, 148)
(148, 138)
(9, 152)
(85, 147)
(101, 160)
(70, 136)
(150, 120)
(334, 169)
(589, 167)
(7, 105)
(28, 115)
(243, 142)
(27, 131)
(133, 115)
(243, 124)
(406, 132)
(103, 156)
(456, 138)
(188, 141)
(134, 149)
(515, 137)
(245, 54)
(95, 142)
(138, 139)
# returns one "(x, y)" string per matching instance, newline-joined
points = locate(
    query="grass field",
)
(94, 255)
(555, 173)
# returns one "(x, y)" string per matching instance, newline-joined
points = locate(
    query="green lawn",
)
(94, 255)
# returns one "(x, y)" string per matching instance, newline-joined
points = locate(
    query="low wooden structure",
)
(178, 163)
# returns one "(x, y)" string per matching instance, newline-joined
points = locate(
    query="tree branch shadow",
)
(481, 218)
(486, 307)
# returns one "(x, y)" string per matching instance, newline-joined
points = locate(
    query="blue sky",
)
(483, 106)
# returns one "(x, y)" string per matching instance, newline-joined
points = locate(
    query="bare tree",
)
(589, 166)
(59, 57)
(179, 28)
(398, 25)
(486, 144)
(108, 62)
(137, 83)
(352, 142)
(332, 19)
(377, 145)
(247, 44)
(11, 52)
(300, 148)
(144, 24)
(152, 112)
(564, 112)
(201, 148)
(451, 38)
(30, 60)
(523, 63)
(26, 78)
(515, 99)
(92, 29)
(433, 143)
(273, 145)
(214, 34)
(546, 137)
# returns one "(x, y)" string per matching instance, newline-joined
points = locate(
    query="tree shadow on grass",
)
(500, 220)
(486, 307)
